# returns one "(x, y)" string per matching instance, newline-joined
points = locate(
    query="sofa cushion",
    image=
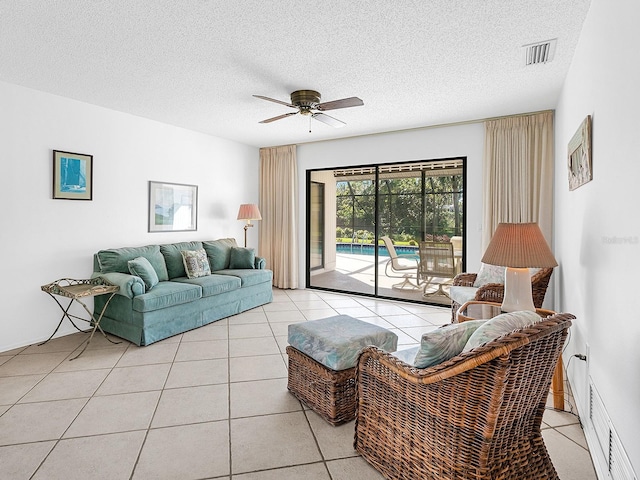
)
(242, 258)
(173, 257)
(249, 276)
(219, 252)
(196, 263)
(444, 343)
(141, 267)
(166, 294)
(213, 284)
(501, 325)
(116, 259)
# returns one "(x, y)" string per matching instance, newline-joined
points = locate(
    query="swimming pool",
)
(369, 249)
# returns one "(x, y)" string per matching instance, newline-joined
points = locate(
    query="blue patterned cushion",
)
(500, 325)
(489, 274)
(141, 267)
(336, 342)
(407, 355)
(462, 295)
(444, 343)
(196, 263)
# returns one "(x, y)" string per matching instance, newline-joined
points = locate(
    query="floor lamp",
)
(518, 246)
(248, 212)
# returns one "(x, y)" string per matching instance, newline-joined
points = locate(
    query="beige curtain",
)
(279, 207)
(518, 173)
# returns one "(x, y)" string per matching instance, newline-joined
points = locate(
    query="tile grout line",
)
(61, 437)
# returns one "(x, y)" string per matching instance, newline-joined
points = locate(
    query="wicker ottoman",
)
(322, 362)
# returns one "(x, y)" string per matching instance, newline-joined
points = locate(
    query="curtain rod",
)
(427, 127)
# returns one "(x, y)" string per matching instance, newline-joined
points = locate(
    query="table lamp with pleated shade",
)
(518, 247)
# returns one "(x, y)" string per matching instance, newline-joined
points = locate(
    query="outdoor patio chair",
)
(401, 266)
(475, 416)
(437, 266)
(494, 292)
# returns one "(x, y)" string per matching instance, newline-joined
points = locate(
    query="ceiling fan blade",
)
(324, 118)
(279, 117)
(275, 101)
(344, 103)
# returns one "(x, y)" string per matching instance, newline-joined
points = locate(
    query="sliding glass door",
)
(389, 222)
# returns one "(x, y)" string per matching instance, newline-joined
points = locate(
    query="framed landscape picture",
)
(579, 156)
(173, 207)
(72, 176)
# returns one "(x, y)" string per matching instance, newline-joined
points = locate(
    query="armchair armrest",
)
(130, 285)
(464, 279)
(491, 292)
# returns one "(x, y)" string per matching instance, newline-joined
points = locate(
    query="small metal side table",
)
(76, 290)
(476, 310)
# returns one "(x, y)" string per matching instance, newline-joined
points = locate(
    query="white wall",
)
(422, 144)
(597, 226)
(42, 239)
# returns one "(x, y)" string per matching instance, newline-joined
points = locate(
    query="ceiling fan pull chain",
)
(310, 117)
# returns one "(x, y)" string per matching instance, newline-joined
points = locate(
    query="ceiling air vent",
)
(541, 52)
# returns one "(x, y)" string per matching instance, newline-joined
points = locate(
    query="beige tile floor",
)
(210, 403)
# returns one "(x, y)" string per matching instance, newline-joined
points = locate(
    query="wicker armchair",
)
(494, 292)
(476, 416)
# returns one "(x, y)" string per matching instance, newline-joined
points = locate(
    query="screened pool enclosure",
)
(418, 206)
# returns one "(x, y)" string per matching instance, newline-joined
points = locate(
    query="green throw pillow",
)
(219, 252)
(242, 258)
(196, 263)
(141, 267)
(444, 343)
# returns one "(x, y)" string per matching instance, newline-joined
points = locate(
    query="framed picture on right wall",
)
(579, 156)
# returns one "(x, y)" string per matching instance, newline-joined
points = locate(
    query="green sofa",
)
(177, 303)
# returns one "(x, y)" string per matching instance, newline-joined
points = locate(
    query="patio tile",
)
(252, 441)
(21, 461)
(35, 422)
(185, 452)
(313, 471)
(114, 413)
(353, 469)
(198, 372)
(264, 367)
(273, 394)
(13, 389)
(118, 453)
(180, 406)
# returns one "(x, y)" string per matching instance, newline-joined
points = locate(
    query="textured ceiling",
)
(197, 63)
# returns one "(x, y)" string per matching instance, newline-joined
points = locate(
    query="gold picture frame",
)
(579, 158)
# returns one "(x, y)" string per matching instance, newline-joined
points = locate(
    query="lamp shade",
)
(249, 211)
(519, 245)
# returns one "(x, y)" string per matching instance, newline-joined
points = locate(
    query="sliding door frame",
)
(377, 167)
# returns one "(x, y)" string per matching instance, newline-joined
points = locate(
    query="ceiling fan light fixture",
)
(307, 102)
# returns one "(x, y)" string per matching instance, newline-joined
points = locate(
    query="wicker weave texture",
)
(494, 292)
(330, 393)
(476, 416)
